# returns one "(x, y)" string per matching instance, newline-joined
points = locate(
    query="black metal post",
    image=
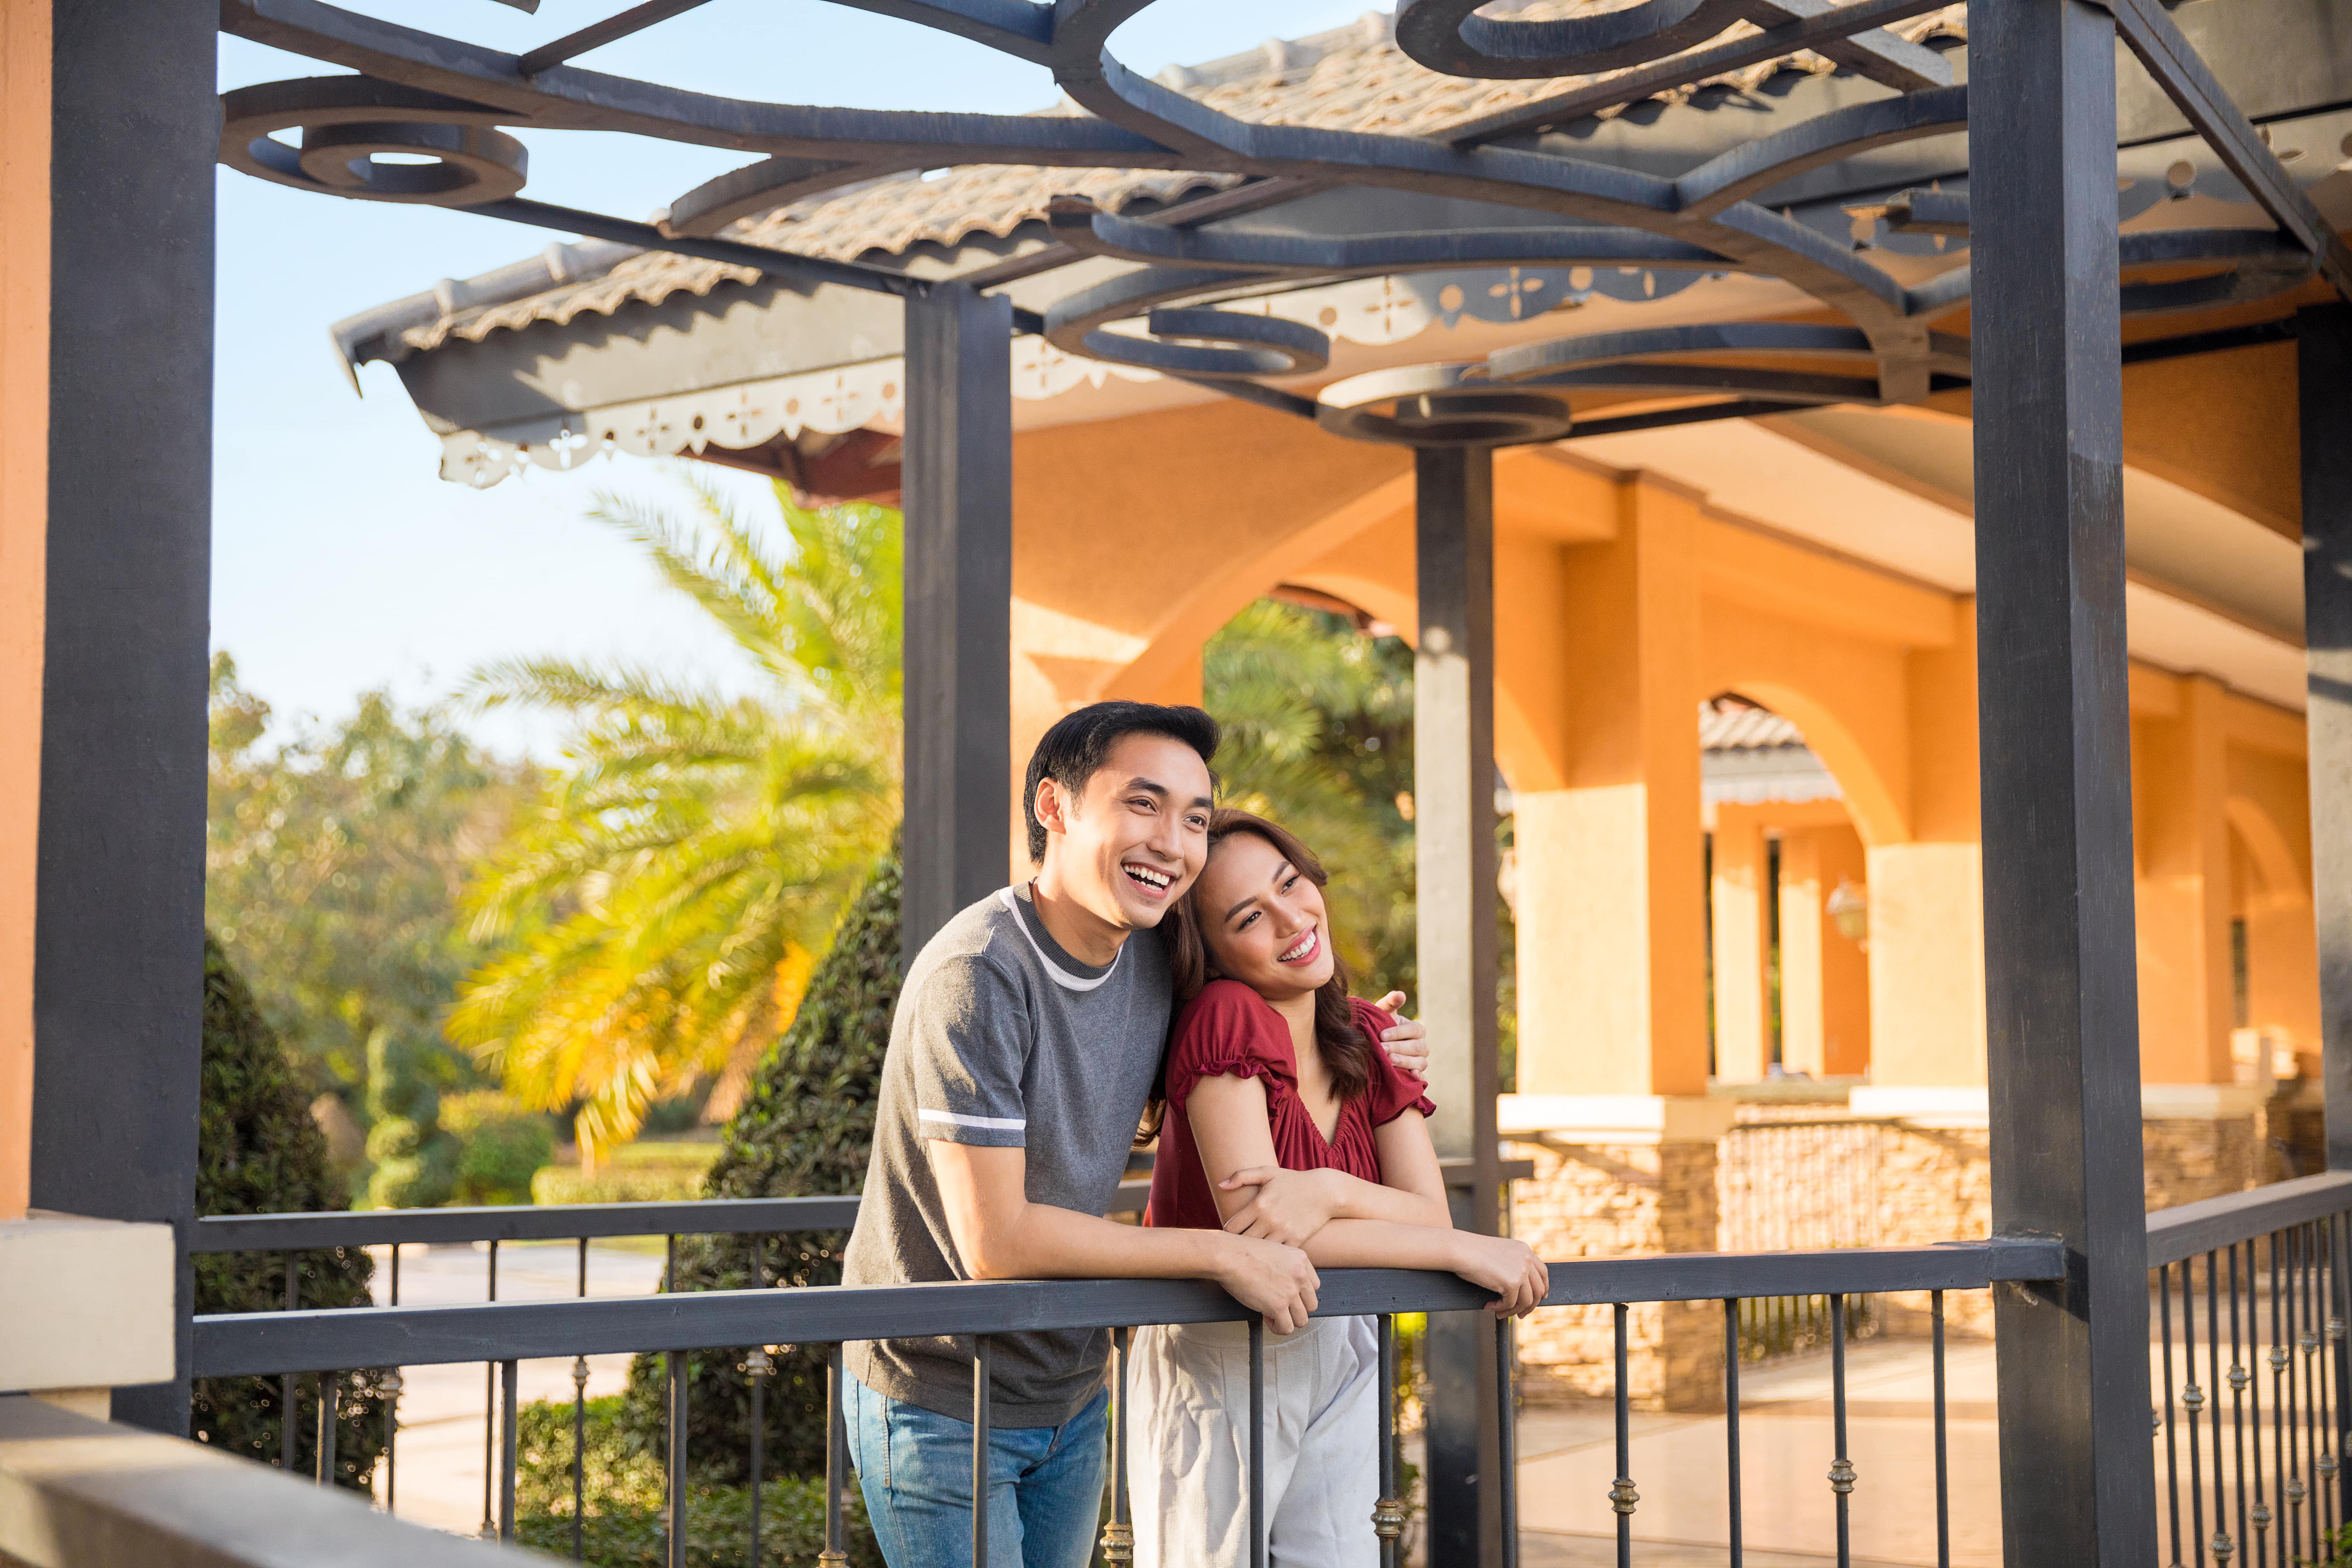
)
(958, 470)
(2062, 1010)
(1454, 868)
(118, 911)
(2323, 389)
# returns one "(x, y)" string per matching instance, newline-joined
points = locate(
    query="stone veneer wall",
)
(1616, 1201)
(1933, 1184)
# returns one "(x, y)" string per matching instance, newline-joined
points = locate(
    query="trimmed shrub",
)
(626, 1493)
(645, 1184)
(804, 1128)
(414, 1163)
(258, 1152)
(500, 1146)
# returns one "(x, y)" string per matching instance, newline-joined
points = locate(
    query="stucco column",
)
(2180, 786)
(23, 523)
(1737, 891)
(1611, 923)
(1824, 974)
(1926, 898)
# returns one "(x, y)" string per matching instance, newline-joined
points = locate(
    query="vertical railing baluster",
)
(2339, 1232)
(2258, 1511)
(327, 1400)
(489, 1413)
(835, 1553)
(2239, 1379)
(2171, 1437)
(980, 1455)
(286, 1385)
(579, 1432)
(2192, 1400)
(1388, 1514)
(390, 1387)
(1119, 1534)
(2224, 1547)
(578, 1458)
(2298, 1414)
(681, 1373)
(1506, 1444)
(2315, 1391)
(758, 1366)
(1623, 1497)
(2281, 1428)
(2324, 1326)
(509, 1372)
(1257, 1520)
(1731, 1429)
(1943, 1455)
(1840, 1464)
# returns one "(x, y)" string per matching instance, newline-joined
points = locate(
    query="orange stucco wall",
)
(24, 501)
(1622, 601)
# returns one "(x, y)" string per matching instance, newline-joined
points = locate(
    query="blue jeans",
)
(1045, 1484)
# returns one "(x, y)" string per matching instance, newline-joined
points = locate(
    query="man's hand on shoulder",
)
(1269, 1279)
(1407, 1044)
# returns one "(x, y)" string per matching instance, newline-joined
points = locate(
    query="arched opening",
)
(1786, 901)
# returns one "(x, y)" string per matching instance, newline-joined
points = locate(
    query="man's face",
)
(1130, 842)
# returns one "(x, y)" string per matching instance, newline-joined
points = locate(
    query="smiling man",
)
(1027, 1038)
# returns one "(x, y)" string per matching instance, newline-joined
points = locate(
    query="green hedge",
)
(624, 1524)
(257, 1151)
(500, 1146)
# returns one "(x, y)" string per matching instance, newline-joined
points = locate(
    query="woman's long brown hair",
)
(1343, 1044)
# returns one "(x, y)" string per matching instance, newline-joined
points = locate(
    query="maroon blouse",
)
(1230, 1031)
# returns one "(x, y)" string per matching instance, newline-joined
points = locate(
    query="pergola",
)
(121, 825)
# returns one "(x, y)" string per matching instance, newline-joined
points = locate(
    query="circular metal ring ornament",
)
(1227, 344)
(1449, 35)
(1439, 405)
(471, 163)
(349, 124)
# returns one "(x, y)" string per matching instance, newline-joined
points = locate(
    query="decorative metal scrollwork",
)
(431, 119)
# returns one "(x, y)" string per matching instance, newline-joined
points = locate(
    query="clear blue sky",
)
(340, 561)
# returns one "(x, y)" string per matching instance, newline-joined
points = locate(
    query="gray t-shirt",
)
(1003, 1039)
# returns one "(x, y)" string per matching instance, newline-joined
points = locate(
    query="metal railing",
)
(291, 1343)
(2258, 1276)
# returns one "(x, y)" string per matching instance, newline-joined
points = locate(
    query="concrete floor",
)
(1568, 1456)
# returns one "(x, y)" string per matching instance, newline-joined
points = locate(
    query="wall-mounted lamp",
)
(1849, 910)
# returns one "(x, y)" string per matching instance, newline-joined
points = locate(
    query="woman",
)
(1280, 1117)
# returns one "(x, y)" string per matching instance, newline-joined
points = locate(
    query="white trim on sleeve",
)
(1062, 977)
(987, 1123)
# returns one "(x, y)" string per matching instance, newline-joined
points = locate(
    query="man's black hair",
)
(1078, 744)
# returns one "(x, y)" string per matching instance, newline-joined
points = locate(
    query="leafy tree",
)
(650, 906)
(334, 868)
(257, 1151)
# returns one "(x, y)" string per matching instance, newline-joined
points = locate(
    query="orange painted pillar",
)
(1736, 890)
(25, 50)
(1926, 979)
(1825, 974)
(2181, 835)
(1611, 919)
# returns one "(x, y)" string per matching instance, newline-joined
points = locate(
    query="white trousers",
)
(1187, 1445)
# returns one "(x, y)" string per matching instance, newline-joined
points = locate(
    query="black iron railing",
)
(2250, 1308)
(1807, 1182)
(502, 1334)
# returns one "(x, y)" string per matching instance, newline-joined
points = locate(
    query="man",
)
(1027, 1036)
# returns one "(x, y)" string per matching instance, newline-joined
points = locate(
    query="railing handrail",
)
(571, 1222)
(270, 1344)
(2186, 1230)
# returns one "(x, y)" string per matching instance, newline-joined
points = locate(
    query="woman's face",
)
(1263, 918)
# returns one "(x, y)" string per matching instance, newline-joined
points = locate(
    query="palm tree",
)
(658, 905)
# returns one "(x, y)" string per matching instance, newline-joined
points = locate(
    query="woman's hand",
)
(1510, 1268)
(1407, 1044)
(1288, 1206)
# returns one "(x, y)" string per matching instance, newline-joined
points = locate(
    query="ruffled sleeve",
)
(1391, 1092)
(1228, 1031)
